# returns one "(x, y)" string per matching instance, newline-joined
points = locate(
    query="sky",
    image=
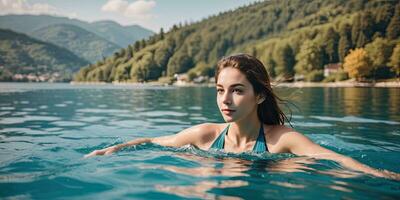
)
(151, 14)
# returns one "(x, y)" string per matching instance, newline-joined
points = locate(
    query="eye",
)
(237, 90)
(219, 90)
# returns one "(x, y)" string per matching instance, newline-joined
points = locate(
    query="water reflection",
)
(64, 124)
(237, 173)
(371, 102)
(200, 190)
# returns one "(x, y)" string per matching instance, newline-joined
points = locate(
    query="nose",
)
(226, 98)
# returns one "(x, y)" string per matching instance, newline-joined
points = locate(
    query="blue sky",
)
(151, 14)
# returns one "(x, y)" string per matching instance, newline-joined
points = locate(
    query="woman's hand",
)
(105, 151)
(388, 174)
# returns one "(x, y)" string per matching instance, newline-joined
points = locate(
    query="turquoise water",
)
(45, 129)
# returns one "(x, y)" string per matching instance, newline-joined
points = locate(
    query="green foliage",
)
(79, 41)
(109, 30)
(379, 52)
(23, 55)
(270, 66)
(362, 31)
(393, 29)
(180, 62)
(315, 76)
(338, 76)
(5, 75)
(309, 58)
(191, 74)
(145, 69)
(341, 75)
(331, 40)
(201, 69)
(383, 17)
(285, 61)
(395, 60)
(289, 37)
(345, 44)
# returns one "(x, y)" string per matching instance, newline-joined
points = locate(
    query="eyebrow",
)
(233, 85)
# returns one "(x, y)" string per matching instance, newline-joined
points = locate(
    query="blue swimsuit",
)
(259, 147)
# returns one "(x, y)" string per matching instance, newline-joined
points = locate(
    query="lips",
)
(227, 111)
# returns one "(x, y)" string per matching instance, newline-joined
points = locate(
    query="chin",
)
(229, 119)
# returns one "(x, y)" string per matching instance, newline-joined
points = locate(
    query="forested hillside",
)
(292, 38)
(111, 31)
(86, 44)
(20, 54)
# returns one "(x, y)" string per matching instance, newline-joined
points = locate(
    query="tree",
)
(285, 61)
(363, 29)
(395, 60)
(393, 29)
(137, 46)
(344, 45)
(383, 15)
(331, 39)
(357, 64)
(122, 72)
(180, 62)
(130, 52)
(116, 55)
(142, 44)
(122, 52)
(270, 66)
(309, 58)
(355, 29)
(145, 69)
(379, 52)
(161, 33)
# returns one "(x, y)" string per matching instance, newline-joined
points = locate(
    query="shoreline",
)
(343, 84)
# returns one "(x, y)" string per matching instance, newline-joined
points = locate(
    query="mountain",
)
(293, 38)
(120, 34)
(21, 54)
(86, 44)
(111, 31)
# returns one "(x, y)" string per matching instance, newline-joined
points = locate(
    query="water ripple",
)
(353, 119)
(26, 118)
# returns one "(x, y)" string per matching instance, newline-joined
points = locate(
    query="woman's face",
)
(235, 95)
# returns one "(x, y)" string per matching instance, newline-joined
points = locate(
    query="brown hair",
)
(268, 111)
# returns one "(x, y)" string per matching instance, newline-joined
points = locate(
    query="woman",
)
(254, 120)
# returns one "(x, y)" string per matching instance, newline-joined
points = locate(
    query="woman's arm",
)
(194, 135)
(112, 149)
(301, 145)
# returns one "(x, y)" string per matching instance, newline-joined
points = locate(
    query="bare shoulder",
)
(280, 138)
(205, 128)
(208, 130)
(203, 134)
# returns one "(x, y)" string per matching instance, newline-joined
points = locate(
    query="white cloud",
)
(137, 10)
(23, 7)
(115, 6)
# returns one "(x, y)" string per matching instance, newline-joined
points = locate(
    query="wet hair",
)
(268, 111)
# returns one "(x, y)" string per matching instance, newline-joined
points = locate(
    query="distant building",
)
(200, 79)
(298, 77)
(18, 77)
(181, 79)
(331, 68)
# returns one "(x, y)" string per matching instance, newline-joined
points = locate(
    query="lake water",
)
(45, 129)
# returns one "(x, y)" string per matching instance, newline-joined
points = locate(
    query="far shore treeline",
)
(295, 39)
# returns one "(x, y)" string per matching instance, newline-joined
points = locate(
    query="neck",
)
(246, 130)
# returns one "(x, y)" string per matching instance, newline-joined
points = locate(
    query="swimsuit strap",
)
(259, 147)
(261, 144)
(219, 142)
